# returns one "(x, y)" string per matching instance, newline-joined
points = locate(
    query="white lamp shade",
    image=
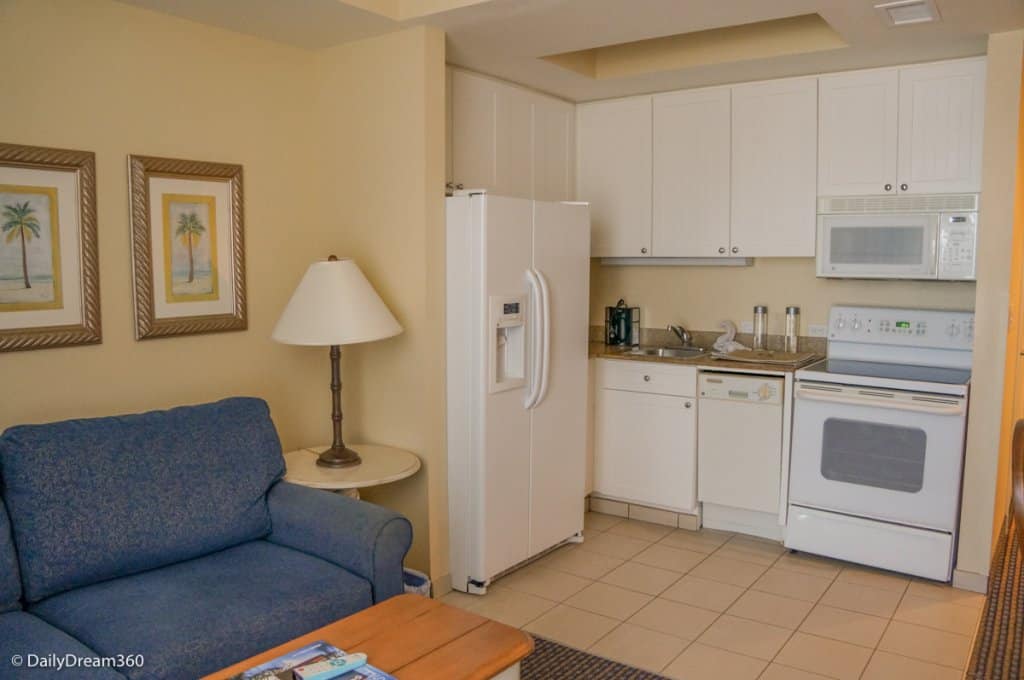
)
(334, 305)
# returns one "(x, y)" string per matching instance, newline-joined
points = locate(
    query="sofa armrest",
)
(365, 539)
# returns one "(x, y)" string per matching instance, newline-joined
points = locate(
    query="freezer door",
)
(561, 257)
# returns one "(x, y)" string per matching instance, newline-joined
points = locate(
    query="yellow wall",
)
(104, 77)
(350, 177)
(700, 297)
(1013, 373)
(995, 239)
(382, 158)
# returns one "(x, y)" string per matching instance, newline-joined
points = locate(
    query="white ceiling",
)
(505, 38)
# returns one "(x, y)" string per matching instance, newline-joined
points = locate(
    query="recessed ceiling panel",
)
(761, 40)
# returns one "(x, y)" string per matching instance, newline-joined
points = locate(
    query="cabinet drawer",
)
(647, 376)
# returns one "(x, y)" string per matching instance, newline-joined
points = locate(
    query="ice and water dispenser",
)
(507, 343)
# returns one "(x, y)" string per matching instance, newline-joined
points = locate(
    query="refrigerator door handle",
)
(536, 339)
(545, 352)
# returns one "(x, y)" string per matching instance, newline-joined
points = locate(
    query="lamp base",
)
(339, 458)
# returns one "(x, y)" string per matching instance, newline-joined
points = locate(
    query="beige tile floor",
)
(699, 605)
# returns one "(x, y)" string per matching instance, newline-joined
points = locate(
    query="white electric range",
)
(878, 440)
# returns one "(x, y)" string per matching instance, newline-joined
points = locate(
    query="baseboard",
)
(607, 506)
(738, 520)
(442, 586)
(968, 580)
(690, 522)
(643, 513)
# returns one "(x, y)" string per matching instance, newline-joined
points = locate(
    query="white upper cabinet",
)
(613, 173)
(691, 173)
(857, 122)
(513, 157)
(448, 126)
(774, 168)
(942, 110)
(554, 146)
(908, 130)
(473, 110)
(508, 139)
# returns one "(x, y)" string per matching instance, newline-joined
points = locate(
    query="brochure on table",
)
(284, 667)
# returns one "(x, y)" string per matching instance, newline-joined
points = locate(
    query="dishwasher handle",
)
(763, 390)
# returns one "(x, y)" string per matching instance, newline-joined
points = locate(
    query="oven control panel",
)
(938, 329)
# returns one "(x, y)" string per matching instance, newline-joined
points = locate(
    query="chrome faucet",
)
(683, 335)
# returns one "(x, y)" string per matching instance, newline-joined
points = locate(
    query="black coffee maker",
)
(622, 325)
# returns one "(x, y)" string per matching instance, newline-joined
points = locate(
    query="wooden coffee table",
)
(415, 638)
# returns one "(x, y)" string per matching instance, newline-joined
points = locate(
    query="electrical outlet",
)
(817, 330)
(746, 326)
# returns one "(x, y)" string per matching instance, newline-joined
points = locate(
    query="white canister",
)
(792, 328)
(760, 327)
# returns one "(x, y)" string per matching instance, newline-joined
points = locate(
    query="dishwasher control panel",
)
(740, 388)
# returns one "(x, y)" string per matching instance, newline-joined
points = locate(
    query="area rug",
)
(553, 661)
(999, 644)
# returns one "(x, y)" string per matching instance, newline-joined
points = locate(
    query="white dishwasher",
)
(739, 452)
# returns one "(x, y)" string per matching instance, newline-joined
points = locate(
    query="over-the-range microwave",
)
(898, 237)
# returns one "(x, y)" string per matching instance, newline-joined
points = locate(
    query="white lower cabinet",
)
(645, 434)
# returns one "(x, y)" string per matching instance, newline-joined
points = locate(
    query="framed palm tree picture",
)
(49, 253)
(188, 259)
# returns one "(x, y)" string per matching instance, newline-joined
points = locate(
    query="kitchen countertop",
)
(603, 351)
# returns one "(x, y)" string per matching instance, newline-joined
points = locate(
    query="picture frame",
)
(49, 248)
(188, 247)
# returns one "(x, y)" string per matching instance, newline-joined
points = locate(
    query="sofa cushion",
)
(95, 499)
(195, 617)
(10, 583)
(22, 634)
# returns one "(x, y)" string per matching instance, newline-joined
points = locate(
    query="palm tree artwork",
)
(190, 229)
(20, 222)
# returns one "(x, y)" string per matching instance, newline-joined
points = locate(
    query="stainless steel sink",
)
(669, 352)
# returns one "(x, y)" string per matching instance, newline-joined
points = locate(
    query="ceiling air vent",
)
(905, 12)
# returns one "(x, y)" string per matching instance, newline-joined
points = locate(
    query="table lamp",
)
(335, 305)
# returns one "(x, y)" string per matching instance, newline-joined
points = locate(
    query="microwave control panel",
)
(958, 234)
(938, 329)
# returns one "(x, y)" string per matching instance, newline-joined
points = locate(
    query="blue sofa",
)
(170, 535)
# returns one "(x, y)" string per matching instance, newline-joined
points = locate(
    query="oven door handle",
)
(936, 406)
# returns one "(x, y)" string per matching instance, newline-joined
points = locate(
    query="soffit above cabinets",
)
(511, 38)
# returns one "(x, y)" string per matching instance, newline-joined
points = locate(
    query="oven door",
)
(889, 455)
(878, 246)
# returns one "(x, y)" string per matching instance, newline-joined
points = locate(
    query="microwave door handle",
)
(859, 399)
(933, 260)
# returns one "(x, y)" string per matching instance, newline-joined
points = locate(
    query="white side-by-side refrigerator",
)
(518, 279)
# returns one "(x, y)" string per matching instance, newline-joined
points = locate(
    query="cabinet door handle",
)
(643, 250)
(888, 187)
(721, 250)
(903, 187)
(647, 378)
(735, 249)
(688, 404)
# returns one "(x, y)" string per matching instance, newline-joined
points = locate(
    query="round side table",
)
(381, 465)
